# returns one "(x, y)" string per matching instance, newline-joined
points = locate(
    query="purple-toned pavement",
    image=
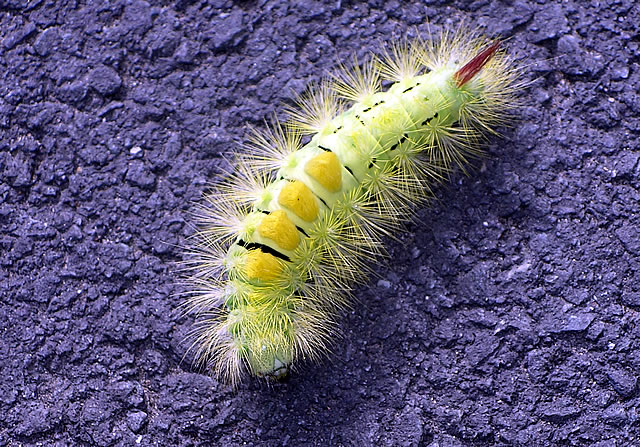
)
(508, 315)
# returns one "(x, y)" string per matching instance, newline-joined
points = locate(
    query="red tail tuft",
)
(472, 67)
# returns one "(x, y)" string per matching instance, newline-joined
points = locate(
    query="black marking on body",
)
(408, 89)
(326, 149)
(428, 120)
(337, 129)
(302, 231)
(402, 140)
(320, 198)
(351, 172)
(265, 211)
(265, 248)
(373, 162)
(370, 108)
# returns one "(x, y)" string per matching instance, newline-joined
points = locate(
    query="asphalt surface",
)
(507, 315)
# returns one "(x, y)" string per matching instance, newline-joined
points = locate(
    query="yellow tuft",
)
(351, 257)
(298, 198)
(268, 149)
(243, 187)
(262, 266)
(221, 219)
(357, 84)
(277, 227)
(326, 170)
(315, 109)
(399, 63)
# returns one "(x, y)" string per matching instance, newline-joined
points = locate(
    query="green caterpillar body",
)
(284, 240)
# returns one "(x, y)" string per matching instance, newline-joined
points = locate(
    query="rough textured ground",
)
(508, 315)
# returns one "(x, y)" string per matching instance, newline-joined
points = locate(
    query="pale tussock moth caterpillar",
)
(282, 241)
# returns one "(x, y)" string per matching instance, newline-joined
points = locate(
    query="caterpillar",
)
(283, 240)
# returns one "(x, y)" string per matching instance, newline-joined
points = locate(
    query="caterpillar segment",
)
(284, 240)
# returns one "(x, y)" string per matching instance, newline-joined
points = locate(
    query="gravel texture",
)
(507, 315)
